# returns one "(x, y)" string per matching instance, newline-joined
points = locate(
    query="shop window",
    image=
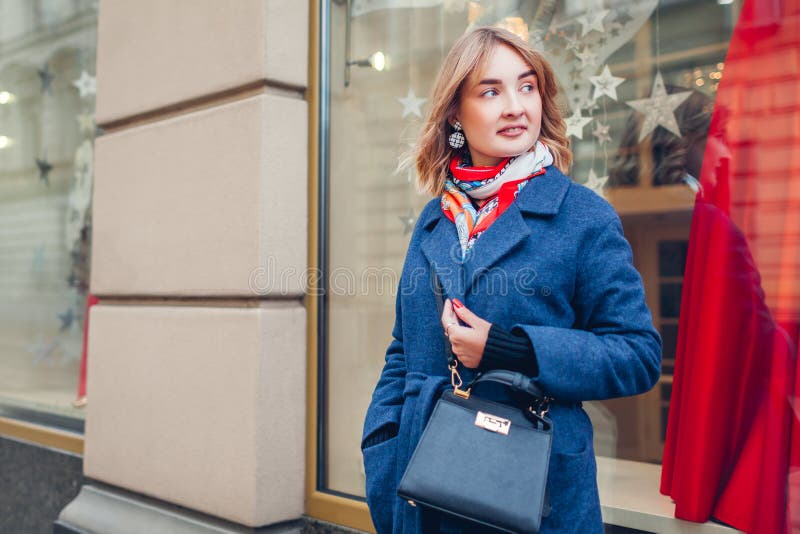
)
(47, 131)
(382, 58)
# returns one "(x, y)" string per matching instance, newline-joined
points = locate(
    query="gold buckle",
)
(463, 393)
(454, 376)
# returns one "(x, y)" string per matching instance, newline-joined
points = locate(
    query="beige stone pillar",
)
(197, 349)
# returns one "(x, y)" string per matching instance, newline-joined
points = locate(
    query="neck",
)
(480, 160)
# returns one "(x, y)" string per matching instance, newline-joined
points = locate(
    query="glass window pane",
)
(47, 130)
(669, 337)
(670, 300)
(672, 257)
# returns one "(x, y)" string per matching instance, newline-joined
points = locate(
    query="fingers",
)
(448, 316)
(469, 360)
(467, 342)
(468, 345)
(466, 315)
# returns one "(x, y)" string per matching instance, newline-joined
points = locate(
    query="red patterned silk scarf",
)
(457, 206)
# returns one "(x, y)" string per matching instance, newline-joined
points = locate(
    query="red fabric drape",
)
(733, 435)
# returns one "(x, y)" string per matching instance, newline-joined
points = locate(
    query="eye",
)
(490, 92)
(528, 88)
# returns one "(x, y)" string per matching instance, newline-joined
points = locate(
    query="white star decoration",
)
(588, 105)
(605, 84)
(411, 104)
(593, 20)
(573, 42)
(659, 109)
(576, 122)
(86, 84)
(596, 183)
(408, 221)
(601, 133)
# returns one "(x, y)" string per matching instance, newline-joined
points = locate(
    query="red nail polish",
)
(457, 303)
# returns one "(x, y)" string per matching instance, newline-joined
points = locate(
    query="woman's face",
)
(500, 108)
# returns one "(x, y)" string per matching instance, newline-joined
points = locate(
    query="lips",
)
(513, 130)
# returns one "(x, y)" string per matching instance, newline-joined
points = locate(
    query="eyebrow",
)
(494, 81)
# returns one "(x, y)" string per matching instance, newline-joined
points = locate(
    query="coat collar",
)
(543, 196)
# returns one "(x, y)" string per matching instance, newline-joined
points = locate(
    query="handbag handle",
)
(540, 404)
(438, 295)
(516, 381)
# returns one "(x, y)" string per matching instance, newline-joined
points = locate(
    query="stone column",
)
(197, 349)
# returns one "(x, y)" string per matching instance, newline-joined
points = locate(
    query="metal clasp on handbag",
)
(540, 407)
(455, 379)
(493, 423)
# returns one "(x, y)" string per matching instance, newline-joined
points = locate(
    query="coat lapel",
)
(503, 236)
(542, 197)
(441, 248)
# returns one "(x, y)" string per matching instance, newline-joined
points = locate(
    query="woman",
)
(538, 275)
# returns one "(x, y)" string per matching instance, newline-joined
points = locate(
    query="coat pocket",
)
(572, 484)
(380, 467)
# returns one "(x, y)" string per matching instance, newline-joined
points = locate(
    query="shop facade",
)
(227, 184)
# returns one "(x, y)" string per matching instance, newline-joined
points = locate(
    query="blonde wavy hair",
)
(470, 52)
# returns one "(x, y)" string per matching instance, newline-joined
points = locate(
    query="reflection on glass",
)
(669, 337)
(670, 300)
(672, 257)
(47, 65)
(605, 59)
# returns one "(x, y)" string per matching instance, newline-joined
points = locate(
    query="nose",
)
(513, 105)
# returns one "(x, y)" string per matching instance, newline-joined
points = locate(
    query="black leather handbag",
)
(482, 460)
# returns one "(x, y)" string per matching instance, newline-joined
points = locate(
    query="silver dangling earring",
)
(457, 138)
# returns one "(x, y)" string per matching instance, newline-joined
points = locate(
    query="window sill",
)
(42, 435)
(629, 497)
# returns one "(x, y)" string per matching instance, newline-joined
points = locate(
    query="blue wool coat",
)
(554, 266)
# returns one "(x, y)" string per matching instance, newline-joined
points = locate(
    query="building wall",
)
(197, 373)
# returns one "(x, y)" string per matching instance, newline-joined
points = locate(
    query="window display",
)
(47, 131)
(638, 81)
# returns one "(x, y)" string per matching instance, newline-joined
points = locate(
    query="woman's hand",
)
(468, 341)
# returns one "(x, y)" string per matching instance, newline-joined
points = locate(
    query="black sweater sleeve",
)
(506, 350)
(384, 433)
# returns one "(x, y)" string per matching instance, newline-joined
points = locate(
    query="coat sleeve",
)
(613, 350)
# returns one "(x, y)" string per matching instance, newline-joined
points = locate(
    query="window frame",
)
(42, 435)
(321, 503)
